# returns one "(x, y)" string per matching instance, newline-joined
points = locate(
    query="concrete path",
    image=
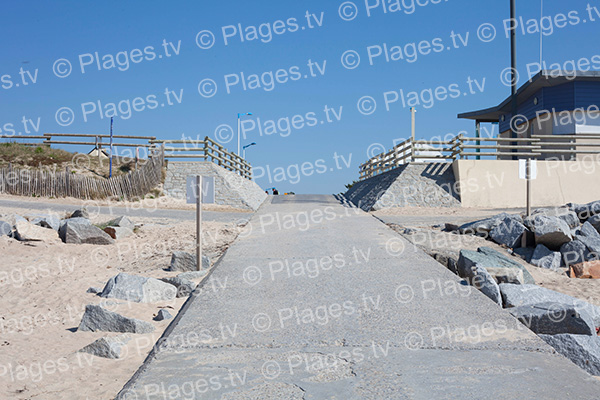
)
(322, 301)
(182, 215)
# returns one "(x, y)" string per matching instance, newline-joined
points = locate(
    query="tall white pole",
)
(238, 151)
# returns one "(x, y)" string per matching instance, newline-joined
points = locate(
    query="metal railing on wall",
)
(562, 147)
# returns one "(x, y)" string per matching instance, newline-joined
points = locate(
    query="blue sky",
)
(324, 149)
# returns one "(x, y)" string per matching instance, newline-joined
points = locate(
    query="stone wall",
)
(410, 185)
(230, 188)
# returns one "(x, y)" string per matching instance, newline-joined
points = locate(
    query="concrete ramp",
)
(410, 185)
(230, 188)
(318, 300)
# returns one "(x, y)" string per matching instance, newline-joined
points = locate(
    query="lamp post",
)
(245, 147)
(239, 122)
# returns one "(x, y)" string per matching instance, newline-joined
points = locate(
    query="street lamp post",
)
(238, 135)
(245, 147)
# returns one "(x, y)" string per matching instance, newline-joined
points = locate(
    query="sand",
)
(161, 202)
(43, 296)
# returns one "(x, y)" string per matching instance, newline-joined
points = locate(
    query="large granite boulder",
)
(552, 232)
(554, 318)
(107, 347)
(470, 268)
(585, 211)
(508, 232)
(47, 221)
(81, 231)
(138, 289)
(574, 252)
(122, 222)
(543, 257)
(26, 231)
(97, 318)
(583, 350)
(5, 229)
(590, 237)
(529, 295)
(184, 287)
(81, 213)
(484, 226)
(595, 221)
(564, 213)
(500, 259)
(183, 261)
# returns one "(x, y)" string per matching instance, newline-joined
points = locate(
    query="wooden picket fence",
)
(136, 184)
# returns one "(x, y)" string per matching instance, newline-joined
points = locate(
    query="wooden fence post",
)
(67, 181)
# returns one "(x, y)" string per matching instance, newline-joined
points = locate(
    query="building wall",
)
(496, 183)
(230, 188)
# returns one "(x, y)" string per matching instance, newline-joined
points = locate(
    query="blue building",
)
(554, 106)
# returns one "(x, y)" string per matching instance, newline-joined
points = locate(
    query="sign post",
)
(198, 223)
(528, 171)
(199, 190)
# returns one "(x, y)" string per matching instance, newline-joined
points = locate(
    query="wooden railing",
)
(206, 149)
(562, 147)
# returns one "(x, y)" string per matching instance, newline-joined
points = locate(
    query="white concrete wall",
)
(496, 183)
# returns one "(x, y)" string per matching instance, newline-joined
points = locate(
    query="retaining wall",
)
(230, 188)
(496, 183)
(410, 185)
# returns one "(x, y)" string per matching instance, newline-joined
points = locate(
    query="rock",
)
(184, 287)
(445, 258)
(122, 222)
(585, 270)
(582, 350)
(448, 227)
(585, 211)
(97, 318)
(588, 230)
(162, 315)
(564, 213)
(79, 232)
(552, 232)
(470, 269)
(554, 318)
(83, 213)
(595, 221)
(26, 231)
(574, 252)
(528, 295)
(524, 252)
(5, 229)
(484, 226)
(117, 232)
(591, 243)
(546, 258)
(94, 290)
(508, 232)
(193, 275)
(505, 262)
(107, 347)
(138, 289)
(47, 221)
(182, 261)
(506, 275)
